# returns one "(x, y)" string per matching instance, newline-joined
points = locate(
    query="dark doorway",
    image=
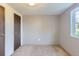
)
(2, 31)
(17, 31)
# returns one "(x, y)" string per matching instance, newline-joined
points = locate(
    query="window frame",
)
(71, 22)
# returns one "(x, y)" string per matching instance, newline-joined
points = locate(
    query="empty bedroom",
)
(39, 29)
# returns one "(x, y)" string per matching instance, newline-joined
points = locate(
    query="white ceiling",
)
(41, 8)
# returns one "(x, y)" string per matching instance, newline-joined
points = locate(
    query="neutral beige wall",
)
(70, 44)
(9, 28)
(42, 30)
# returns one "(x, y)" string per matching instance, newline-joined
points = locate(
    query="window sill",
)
(77, 37)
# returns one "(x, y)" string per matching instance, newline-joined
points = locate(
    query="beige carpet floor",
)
(37, 50)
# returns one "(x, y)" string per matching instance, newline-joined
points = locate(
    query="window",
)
(75, 22)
